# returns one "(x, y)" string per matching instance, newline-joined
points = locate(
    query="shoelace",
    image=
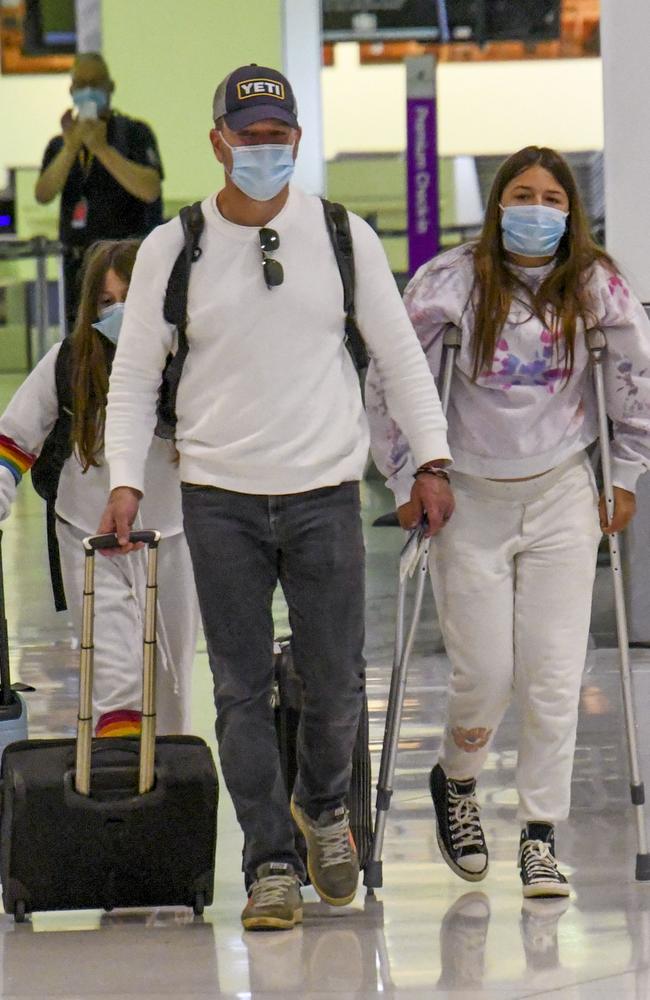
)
(271, 889)
(334, 841)
(464, 822)
(538, 862)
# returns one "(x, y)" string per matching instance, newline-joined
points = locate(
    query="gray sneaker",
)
(332, 860)
(274, 900)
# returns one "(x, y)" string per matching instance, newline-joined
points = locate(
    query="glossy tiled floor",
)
(427, 934)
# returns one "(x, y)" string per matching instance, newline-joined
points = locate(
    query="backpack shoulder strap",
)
(63, 377)
(60, 447)
(175, 312)
(338, 227)
(175, 307)
(54, 558)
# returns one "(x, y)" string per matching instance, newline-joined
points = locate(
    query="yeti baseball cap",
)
(252, 94)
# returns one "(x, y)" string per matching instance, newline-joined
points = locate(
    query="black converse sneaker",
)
(458, 829)
(538, 868)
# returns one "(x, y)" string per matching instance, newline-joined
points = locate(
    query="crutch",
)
(597, 344)
(414, 560)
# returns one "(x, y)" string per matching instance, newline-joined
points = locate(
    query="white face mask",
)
(110, 321)
(261, 171)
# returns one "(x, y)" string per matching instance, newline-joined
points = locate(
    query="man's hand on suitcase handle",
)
(119, 516)
(431, 504)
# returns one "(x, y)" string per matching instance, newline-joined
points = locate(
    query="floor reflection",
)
(128, 954)
(334, 952)
(463, 935)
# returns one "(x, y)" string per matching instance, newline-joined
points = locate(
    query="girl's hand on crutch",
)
(624, 510)
(431, 505)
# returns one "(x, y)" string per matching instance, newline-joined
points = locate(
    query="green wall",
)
(167, 58)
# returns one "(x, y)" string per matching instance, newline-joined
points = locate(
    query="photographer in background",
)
(105, 166)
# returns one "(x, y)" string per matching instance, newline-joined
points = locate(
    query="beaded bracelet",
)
(432, 470)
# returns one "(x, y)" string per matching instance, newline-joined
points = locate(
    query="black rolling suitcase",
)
(13, 711)
(287, 703)
(109, 822)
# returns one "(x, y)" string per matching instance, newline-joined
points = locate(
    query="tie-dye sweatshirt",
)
(522, 417)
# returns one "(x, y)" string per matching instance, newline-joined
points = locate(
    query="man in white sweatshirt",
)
(273, 438)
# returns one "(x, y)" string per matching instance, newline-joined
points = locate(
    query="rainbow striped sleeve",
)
(14, 458)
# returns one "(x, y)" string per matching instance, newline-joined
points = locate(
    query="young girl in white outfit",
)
(81, 497)
(513, 570)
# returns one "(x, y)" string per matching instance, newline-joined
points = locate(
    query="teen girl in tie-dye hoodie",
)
(513, 570)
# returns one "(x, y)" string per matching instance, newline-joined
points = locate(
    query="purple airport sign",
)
(421, 160)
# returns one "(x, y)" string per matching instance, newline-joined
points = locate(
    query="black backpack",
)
(57, 446)
(175, 306)
(46, 470)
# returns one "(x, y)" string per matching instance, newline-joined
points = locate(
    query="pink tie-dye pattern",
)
(616, 285)
(508, 370)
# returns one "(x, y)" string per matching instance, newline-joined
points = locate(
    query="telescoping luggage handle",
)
(85, 717)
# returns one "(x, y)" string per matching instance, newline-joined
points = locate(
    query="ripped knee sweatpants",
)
(512, 575)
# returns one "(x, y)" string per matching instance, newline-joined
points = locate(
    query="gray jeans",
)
(241, 546)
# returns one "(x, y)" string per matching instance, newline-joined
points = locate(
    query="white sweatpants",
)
(119, 622)
(513, 574)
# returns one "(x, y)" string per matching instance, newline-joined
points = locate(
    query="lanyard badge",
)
(79, 218)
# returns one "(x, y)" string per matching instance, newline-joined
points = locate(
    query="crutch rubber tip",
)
(642, 868)
(637, 793)
(373, 876)
(384, 796)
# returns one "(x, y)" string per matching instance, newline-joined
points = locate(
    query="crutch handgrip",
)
(452, 337)
(596, 339)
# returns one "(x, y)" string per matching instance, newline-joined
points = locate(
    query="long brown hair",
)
(561, 298)
(92, 353)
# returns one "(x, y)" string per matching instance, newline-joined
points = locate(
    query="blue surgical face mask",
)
(85, 95)
(110, 321)
(532, 230)
(261, 171)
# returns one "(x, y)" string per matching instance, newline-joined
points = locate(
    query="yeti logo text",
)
(260, 88)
